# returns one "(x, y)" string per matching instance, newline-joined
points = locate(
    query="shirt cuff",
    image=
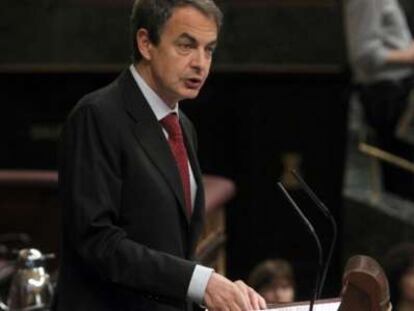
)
(198, 284)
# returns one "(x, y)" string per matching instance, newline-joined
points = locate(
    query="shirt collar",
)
(158, 106)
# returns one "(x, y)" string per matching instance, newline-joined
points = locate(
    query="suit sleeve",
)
(91, 185)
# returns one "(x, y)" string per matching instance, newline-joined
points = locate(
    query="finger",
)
(254, 299)
(243, 301)
(259, 302)
(241, 283)
(245, 292)
(240, 288)
(262, 303)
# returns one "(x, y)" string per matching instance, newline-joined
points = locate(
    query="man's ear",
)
(144, 43)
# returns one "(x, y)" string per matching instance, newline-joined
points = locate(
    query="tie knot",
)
(171, 124)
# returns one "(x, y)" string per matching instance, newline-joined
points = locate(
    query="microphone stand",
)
(331, 219)
(312, 231)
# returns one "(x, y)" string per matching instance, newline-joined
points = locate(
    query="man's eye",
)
(210, 50)
(185, 46)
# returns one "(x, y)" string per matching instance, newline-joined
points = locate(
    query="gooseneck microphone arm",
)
(334, 226)
(312, 231)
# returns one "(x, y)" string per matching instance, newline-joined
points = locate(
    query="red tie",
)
(176, 142)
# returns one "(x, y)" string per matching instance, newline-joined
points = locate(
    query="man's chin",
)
(190, 93)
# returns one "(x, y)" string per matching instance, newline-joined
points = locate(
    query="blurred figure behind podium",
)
(399, 266)
(381, 54)
(274, 280)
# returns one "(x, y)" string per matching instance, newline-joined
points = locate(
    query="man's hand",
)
(222, 294)
(256, 302)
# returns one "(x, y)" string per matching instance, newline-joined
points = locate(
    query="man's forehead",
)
(192, 22)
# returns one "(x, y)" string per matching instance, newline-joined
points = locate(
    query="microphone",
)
(331, 219)
(312, 231)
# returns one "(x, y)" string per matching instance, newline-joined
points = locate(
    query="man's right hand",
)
(222, 294)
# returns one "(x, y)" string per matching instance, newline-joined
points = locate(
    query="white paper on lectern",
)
(324, 306)
(320, 305)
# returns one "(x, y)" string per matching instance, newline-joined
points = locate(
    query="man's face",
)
(181, 61)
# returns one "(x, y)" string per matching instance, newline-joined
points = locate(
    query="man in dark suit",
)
(130, 181)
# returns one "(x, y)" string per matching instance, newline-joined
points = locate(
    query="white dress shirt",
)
(201, 274)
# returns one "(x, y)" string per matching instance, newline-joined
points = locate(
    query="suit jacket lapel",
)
(149, 134)
(198, 211)
(192, 156)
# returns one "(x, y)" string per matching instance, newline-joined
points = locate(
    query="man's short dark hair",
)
(153, 14)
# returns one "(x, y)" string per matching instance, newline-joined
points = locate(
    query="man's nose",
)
(200, 60)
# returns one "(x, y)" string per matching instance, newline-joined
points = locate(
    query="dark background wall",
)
(69, 31)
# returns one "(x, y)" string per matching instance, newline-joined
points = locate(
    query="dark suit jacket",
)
(127, 242)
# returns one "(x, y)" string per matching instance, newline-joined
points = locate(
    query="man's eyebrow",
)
(212, 43)
(186, 35)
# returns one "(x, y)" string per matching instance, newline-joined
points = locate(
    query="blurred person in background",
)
(274, 280)
(399, 266)
(381, 52)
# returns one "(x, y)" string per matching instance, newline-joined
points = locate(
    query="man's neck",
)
(146, 74)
